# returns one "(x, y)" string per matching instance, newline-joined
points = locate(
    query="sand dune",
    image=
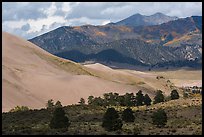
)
(179, 78)
(141, 79)
(31, 76)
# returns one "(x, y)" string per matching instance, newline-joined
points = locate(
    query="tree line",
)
(128, 99)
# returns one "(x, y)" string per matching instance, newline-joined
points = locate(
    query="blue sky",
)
(29, 19)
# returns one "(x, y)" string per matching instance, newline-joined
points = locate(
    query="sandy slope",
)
(31, 76)
(179, 78)
(145, 80)
(183, 77)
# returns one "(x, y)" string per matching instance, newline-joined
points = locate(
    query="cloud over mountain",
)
(37, 14)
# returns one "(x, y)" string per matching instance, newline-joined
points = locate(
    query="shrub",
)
(185, 95)
(174, 95)
(147, 100)
(159, 97)
(50, 104)
(111, 121)
(19, 108)
(129, 99)
(127, 115)
(82, 101)
(59, 120)
(137, 130)
(58, 104)
(159, 118)
(139, 98)
(98, 101)
(90, 99)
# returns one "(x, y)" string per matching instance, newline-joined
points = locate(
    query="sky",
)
(30, 19)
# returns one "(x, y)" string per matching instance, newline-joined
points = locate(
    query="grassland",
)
(184, 118)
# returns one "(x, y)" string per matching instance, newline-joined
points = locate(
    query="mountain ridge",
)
(89, 39)
(143, 20)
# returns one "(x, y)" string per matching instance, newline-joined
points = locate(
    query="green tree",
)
(127, 115)
(147, 100)
(59, 120)
(129, 99)
(174, 94)
(58, 104)
(110, 98)
(50, 104)
(82, 101)
(159, 118)
(19, 108)
(111, 120)
(115, 97)
(121, 100)
(90, 99)
(98, 101)
(139, 98)
(159, 97)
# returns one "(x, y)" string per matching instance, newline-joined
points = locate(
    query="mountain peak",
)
(158, 14)
(142, 20)
(137, 14)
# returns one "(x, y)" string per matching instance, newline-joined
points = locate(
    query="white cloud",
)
(28, 19)
(36, 25)
(14, 24)
(105, 22)
(51, 10)
(66, 7)
(87, 21)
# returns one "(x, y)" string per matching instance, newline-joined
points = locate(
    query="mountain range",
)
(155, 41)
(142, 20)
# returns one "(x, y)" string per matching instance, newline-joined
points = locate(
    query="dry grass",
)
(87, 120)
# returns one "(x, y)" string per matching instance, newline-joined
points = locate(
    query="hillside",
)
(170, 43)
(135, 53)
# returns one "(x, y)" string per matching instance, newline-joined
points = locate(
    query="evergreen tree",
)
(121, 100)
(82, 101)
(115, 97)
(159, 97)
(50, 104)
(147, 100)
(111, 121)
(110, 98)
(174, 95)
(127, 115)
(129, 99)
(58, 104)
(98, 101)
(90, 99)
(139, 98)
(159, 118)
(59, 120)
